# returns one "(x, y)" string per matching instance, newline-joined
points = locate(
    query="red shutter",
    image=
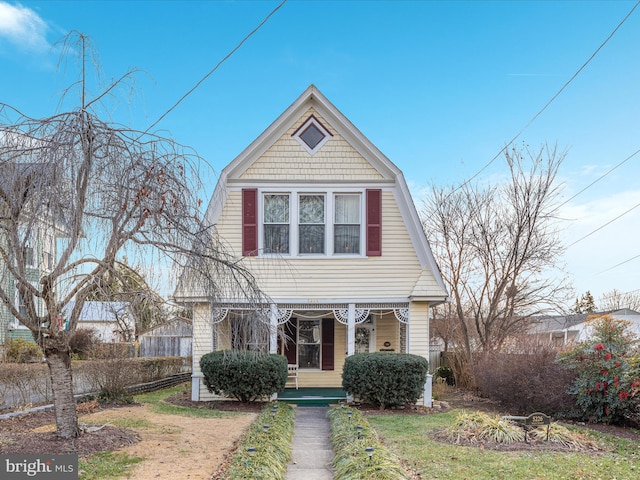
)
(327, 343)
(374, 223)
(250, 222)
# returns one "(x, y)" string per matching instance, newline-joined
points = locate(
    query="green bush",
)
(20, 350)
(385, 379)
(446, 373)
(353, 438)
(272, 446)
(244, 375)
(607, 381)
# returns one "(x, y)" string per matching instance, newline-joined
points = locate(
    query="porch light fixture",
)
(369, 451)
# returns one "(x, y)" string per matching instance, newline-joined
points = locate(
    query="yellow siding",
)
(387, 331)
(336, 160)
(394, 274)
(419, 329)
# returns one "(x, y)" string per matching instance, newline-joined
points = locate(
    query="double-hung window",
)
(311, 224)
(347, 225)
(276, 223)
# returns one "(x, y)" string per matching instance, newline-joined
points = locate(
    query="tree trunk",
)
(62, 385)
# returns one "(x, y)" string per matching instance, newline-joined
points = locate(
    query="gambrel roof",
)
(375, 170)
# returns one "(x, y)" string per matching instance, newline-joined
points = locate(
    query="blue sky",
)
(439, 87)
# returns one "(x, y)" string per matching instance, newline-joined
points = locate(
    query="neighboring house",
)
(39, 250)
(110, 321)
(328, 227)
(564, 329)
(172, 338)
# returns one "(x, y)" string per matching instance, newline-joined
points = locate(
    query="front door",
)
(365, 336)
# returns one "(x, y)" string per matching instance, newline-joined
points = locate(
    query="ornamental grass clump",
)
(359, 455)
(564, 437)
(264, 453)
(608, 373)
(478, 427)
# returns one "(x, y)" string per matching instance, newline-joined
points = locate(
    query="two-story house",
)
(328, 227)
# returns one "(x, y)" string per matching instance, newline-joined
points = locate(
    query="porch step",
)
(312, 396)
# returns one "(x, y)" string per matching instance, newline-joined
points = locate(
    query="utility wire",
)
(619, 264)
(550, 101)
(217, 66)
(600, 178)
(606, 224)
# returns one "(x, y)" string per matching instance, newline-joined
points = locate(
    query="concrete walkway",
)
(312, 454)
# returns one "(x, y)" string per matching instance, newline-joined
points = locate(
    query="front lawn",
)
(410, 437)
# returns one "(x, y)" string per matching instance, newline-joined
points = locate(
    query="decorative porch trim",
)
(218, 315)
(283, 315)
(402, 314)
(343, 313)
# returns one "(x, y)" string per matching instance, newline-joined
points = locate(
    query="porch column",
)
(273, 328)
(351, 329)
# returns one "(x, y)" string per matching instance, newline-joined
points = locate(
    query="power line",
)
(217, 66)
(600, 178)
(619, 264)
(535, 117)
(606, 224)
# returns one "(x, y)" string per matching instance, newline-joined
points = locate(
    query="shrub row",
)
(22, 384)
(359, 455)
(265, 453)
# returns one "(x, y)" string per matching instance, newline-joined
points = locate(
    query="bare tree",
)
(101, 190)
(617, 300)
(495, 246)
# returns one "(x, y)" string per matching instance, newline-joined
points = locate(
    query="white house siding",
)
(335, 161)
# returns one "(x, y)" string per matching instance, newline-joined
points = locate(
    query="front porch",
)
(312, 396)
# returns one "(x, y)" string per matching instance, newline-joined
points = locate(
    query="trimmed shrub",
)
(525, 382)
(385, 379)
(20, 350)
(244, 375)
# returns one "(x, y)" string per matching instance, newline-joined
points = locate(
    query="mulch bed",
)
(17, 436)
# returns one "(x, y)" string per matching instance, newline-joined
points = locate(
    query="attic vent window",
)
(312, 135)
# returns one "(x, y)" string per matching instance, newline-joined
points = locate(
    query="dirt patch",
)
(176, 446)
(172, 446)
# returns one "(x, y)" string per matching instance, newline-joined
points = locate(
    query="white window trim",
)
(329, 194)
